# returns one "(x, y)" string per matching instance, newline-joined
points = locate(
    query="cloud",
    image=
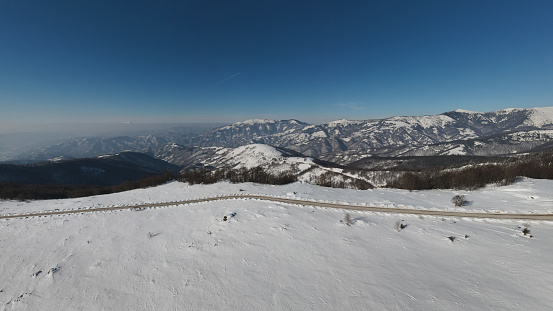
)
(351, 105)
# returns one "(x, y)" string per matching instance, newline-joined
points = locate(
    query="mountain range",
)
(459, 133)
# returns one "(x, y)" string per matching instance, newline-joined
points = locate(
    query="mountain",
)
(336, 140)
(104, 170)
(85, 147)
(345, 141)
(272, 160)
(187, 157)
(251, 131)
(458, 132)
(259, 155)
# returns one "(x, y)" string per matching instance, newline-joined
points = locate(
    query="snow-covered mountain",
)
(458, 132)
(273, 160)
(250, 131)
(256, 155)
(345, 141)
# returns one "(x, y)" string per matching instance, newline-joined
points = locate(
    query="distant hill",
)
(99, 171)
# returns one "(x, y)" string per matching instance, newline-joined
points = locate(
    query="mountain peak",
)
(255, 121)
(465, 111)
(343, 122)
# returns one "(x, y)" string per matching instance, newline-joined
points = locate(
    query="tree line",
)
(538, 166)
(17, 191)
(256, 174)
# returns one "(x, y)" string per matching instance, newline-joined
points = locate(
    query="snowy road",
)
(546, 217)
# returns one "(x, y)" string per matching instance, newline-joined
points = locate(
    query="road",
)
(546, 217)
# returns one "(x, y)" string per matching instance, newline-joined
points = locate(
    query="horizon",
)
(106, 129)
(221, 62)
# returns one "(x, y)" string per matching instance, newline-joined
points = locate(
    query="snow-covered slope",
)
(251, 156)
(248, 156)
(273, 256)
(259, 155)
(275, 161)
(541, 116)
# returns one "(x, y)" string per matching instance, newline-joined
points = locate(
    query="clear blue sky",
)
(226, 61)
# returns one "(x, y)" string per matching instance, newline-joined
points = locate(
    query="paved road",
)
(547, 217)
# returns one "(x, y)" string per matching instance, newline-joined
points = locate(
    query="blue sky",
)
(226, 61)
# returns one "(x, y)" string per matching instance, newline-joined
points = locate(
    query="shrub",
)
(459, 200)
(525, 231)
(347, 219)
(400, 225)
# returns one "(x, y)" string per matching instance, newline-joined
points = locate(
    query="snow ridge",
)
(541, 116)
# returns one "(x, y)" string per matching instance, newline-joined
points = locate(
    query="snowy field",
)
(274, 256)
(527, 196)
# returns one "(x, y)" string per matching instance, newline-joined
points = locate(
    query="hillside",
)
(104, 170)
(274, 256)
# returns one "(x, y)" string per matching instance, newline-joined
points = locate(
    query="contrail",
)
(234, 75)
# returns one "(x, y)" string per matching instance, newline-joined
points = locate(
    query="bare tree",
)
(459, 200)
(347, 219)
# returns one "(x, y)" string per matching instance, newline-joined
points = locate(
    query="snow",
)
(247, 122)
(526, 196)
(303, 163)
(423, 121)
(466, 111)
(257, 149)
(275, 256)
(269, 158)
(255, 121)
(541, 116)
(432, 121)
(507, 111)
(343, 122)
(59, 159)
(532, 135)
(321, 134)
(253, 155)
(467, 133)
(397, 123)
(304, 166)
(459, 150)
